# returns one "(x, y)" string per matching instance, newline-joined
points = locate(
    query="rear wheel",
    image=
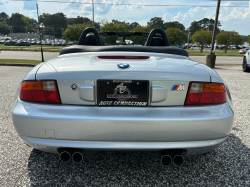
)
(245, 66)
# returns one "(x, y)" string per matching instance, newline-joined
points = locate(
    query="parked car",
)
(33, 42)
(64, 43)
(246, 61)
(10, 43)
(23, 44)
(223, 47)
(243, 51)
(98, 97)
(2, 41)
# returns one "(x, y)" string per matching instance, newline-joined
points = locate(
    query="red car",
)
(223, 47)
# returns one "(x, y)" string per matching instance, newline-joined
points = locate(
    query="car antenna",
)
(40, 33)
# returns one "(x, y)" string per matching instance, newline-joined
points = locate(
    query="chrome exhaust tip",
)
(77, 157)
(166, 160)
(178, 160)
(65, 156)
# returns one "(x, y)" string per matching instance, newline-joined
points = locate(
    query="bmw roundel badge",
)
(123, 65)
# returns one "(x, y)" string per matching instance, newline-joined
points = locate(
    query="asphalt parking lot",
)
(228, 165)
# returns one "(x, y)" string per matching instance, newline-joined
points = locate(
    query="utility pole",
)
(93, 13)
(211, 57)
(40, 33)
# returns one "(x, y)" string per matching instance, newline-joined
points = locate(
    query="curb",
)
(25, 65)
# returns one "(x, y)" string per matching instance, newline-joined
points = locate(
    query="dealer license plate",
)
(122, 93)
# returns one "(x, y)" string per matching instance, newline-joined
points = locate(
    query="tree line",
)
(58, 24)
(55, 23)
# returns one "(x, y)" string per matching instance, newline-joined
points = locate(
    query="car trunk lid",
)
(163, 71)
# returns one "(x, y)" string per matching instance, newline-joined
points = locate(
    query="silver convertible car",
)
(150, 97)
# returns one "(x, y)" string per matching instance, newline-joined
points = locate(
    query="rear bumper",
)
(192, 148)
(125, 128)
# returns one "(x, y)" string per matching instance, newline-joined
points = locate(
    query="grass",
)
(31, 48)
(19, 61)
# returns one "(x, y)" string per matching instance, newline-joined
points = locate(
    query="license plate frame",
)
(133, 93)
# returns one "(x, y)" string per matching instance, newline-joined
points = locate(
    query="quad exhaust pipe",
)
(77, 156)
(173, 156)
(178, 160)
(66, 155)
(166, 160)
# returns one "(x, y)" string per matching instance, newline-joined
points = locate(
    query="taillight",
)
(40, 91)
(206, 93)
(123, 57)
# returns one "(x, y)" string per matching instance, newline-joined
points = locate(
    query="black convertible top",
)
(149, 49)
(157, 42)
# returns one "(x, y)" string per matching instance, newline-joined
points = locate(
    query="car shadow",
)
(229, 164)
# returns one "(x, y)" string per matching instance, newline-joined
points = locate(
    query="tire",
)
(244, 66)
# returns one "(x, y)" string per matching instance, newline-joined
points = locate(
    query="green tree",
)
(205, 24)
(176, 36)
(173, 24)
(140, 40)
(20, 22)
(4, 28)
(97, 25)
(17, 22)
(77, 20)
(43, 17)
(55, 21)
(146, 29)
(228, 38)
(156, 22)
(4, 17)
(202, 37)
(115, 27)
(73, 32)
(131, 26)
(248, 41)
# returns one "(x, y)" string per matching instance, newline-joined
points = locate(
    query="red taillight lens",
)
(206, 93)
(40, 91)
(123, 57)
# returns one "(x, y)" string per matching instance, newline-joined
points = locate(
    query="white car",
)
(243, 51)
(246, 62)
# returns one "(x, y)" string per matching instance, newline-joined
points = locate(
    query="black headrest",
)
(90, 40)
(157, 41)
(87, 39)
(152, 41)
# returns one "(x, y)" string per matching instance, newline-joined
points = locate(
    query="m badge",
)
(179, 87)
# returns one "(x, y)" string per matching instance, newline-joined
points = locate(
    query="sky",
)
(231, 18)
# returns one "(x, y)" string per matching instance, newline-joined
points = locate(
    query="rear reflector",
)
(206, 93)
(40, 91)
(123, 57)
